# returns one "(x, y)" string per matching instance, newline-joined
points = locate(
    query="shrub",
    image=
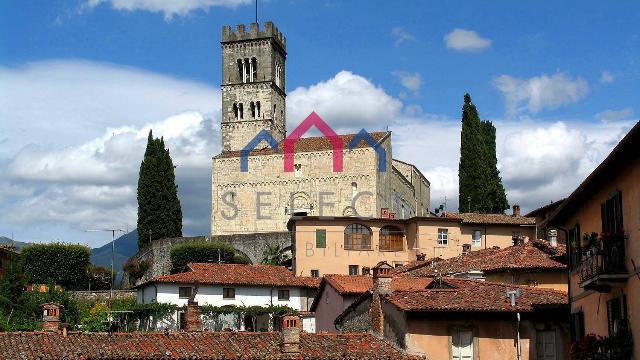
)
(99, 278)
(201, 251)
(136, 268)
(62, 264)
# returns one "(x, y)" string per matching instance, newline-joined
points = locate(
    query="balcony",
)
(602, 264)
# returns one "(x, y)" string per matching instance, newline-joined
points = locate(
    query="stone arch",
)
(300, 203)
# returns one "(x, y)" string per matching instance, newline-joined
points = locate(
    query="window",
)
(391, 238)
(366, 270)
(353, 269)
(235, 111)
(617, 314)
(184, 292)
(577, 325)
(462, 344)
(321, 238)
(443, 236)
(576, 246)
(315, 273)
(611, 214)
(546, 345)
(241, 111)
(228, 293)
(476, 238)
(297, 170)
(357, 237)
(283, 295)
(254, 69)
(258, 108)
(354, 189)
(240, 70)
(515, 237)
(252, 107)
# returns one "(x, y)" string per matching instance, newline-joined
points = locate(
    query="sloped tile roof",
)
(359, 284)
(308, 144)
(467, 295)
(530, 256)
(491, 219)
(238, 274)
(193, 345)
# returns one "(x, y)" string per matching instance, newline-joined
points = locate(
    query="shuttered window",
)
(462, 344)
(357, 237)
(546, 345)
(616, 314)
(321, 238)
(611, 214)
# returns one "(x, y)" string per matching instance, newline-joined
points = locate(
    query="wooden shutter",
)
(321, 238)
(462, 344)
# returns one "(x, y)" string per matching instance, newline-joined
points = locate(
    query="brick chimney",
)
(381, 286)
(516, 210)
(382, 278)
(192, 314)
(291, 329)
(51, 316)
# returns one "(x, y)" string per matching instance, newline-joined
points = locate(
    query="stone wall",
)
(158, 253)
(358, 320)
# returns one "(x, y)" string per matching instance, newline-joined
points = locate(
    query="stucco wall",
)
(592, 303)
(557, 280)
(330, 305)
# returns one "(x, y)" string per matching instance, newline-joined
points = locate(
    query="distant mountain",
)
(19, 244)
(125, 247)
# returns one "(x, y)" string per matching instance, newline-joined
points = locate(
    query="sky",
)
(82, 82)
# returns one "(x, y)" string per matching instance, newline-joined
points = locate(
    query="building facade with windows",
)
(263, 198)
(601, 219)
(352, 246)
(450, 318)
(234, 285)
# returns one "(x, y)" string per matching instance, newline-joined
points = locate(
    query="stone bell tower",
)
(253, 84)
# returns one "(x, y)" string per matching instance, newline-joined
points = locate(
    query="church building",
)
(265, 196)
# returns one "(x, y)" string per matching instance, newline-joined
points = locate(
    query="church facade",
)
(265, 196)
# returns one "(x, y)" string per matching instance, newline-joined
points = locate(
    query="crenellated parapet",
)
(254, 33)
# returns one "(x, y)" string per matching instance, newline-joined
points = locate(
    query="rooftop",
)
(494, 219)
(359, 284)
(191, 345)
(467, 295)
(529, 256)
(308, 144)
(237, 274)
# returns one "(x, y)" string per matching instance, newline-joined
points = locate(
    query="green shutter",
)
(321, 238)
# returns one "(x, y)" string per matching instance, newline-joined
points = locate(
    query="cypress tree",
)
(159, 210)
(480, 185)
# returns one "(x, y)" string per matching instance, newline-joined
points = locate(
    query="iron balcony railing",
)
(603, 257)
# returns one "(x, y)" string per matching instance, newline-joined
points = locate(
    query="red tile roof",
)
(493, 219)
(308, 144)
(469, 295)
(359, 284)
(238, 274)
(195, 345)
(530, 256)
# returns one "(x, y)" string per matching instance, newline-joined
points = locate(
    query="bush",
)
(136, 268)
(203, 252)
(99, 278)
(62, 264)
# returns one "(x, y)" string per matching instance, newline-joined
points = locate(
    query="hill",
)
(125, 247)
(19, 244)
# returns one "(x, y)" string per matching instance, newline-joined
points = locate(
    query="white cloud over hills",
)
(75, 132)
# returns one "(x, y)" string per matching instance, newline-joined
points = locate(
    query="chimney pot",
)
(51, 316)
(291, 329)
(516, 210)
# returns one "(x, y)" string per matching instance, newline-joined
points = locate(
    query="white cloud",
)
(606, 77)
(540, 92)
(466, 40)
(410, 81)
(346, 101)
(401, 35)
(615, 115)
(169, 8)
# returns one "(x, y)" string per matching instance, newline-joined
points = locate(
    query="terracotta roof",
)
(468, 295)
(237, 274)
(359, 284)
(499, 219)
(530, 256)
(308, 144)
(193, 345)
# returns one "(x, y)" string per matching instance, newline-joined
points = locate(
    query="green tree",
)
(62, 264)
(204, 252)
(159, 210)
(480, 185)
(274, 255)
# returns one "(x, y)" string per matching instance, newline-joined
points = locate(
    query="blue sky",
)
(557, 78)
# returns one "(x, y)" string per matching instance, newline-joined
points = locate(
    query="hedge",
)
(204, 252)
(62, 264)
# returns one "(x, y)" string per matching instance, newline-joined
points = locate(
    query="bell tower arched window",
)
(240, 108)
(254, 69)
(258, 108)
(235, 111)
(252, 107)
